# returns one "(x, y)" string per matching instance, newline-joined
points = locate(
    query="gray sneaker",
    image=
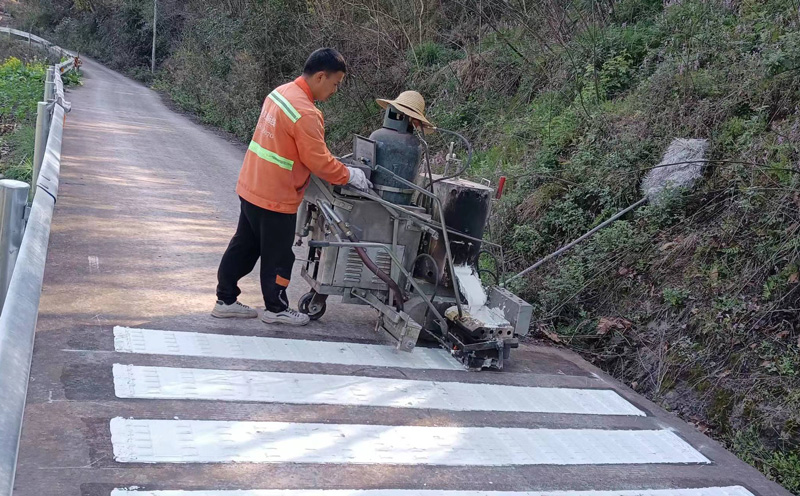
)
(288, 316)
(235, 310)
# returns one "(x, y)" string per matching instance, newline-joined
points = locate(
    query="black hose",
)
(497, 267)
(427, 162)
(496, 279)
(482, 251)
(466, 163)
(399, 296)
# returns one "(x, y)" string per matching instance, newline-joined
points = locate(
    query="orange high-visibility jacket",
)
(288, 145)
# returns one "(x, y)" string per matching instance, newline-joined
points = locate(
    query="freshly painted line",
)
(131, 381)
(200, 441)
(129, 340)
(705, 491)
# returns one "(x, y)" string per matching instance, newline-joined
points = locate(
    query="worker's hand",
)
(358, 179)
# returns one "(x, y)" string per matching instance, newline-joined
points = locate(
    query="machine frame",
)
(330, 215)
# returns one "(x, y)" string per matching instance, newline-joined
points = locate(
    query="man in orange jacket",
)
(287, 147)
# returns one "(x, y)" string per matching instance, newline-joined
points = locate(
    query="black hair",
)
(324, 59)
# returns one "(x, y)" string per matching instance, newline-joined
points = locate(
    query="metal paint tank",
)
(399, 151)
(466, 207)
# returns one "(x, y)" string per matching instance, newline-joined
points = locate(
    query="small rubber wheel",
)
(305, 306)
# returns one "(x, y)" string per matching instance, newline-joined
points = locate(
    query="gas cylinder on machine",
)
(399, 151)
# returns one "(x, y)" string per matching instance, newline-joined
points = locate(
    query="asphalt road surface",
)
(136, 390)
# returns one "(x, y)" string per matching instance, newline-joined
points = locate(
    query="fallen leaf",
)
(667, 246)
(703, 428)
(766, 364)
(700, 425)
(724, 373)
(782, 335)
(607, 323)
(552, 336)
(794, 278)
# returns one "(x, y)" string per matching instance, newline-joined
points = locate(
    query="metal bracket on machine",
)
(365, 150)
(319, 184)
(399, 325)
(391, 189)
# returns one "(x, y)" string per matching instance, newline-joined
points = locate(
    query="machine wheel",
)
(314, 310)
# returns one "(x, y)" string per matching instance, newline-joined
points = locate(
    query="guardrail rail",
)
(21, 308)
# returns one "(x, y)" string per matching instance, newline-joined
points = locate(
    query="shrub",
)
(20, 89)
(430, 53)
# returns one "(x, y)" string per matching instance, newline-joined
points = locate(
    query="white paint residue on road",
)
(199, 441)
(94, 264)
(154, 342)
(131, 381)
(705, 491)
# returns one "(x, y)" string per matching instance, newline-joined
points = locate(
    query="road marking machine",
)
(410, 249)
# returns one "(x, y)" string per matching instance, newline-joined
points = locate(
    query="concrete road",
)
(146, 208)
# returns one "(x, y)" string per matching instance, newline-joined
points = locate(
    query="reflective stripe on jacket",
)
(287, 147)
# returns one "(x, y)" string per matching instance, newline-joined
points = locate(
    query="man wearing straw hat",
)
(287, 147)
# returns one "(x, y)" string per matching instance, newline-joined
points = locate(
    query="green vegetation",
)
(572, 101)
(22, 75)
(780, 465)
(21, 87)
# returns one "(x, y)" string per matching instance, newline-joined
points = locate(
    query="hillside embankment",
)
(694, 302)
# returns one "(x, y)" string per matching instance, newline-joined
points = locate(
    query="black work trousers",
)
(260, 233)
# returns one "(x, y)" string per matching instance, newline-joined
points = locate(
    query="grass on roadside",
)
(21, 88)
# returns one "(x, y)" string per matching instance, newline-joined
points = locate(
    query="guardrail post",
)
(49, 84)
(39, 144)
(13, 201)
(50, 96)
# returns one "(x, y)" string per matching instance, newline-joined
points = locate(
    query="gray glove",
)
(358, 179)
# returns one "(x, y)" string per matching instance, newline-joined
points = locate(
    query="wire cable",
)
(427, 161)
(466, 163)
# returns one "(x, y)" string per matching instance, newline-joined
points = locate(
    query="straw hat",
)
(411, 104)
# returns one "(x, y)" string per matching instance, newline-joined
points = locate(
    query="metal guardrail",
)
(21, 309)
(54, 49)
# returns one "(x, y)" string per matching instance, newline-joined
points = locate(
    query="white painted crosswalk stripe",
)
(197, 441)
(131, 381)
(706, 491)
(149, 341)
